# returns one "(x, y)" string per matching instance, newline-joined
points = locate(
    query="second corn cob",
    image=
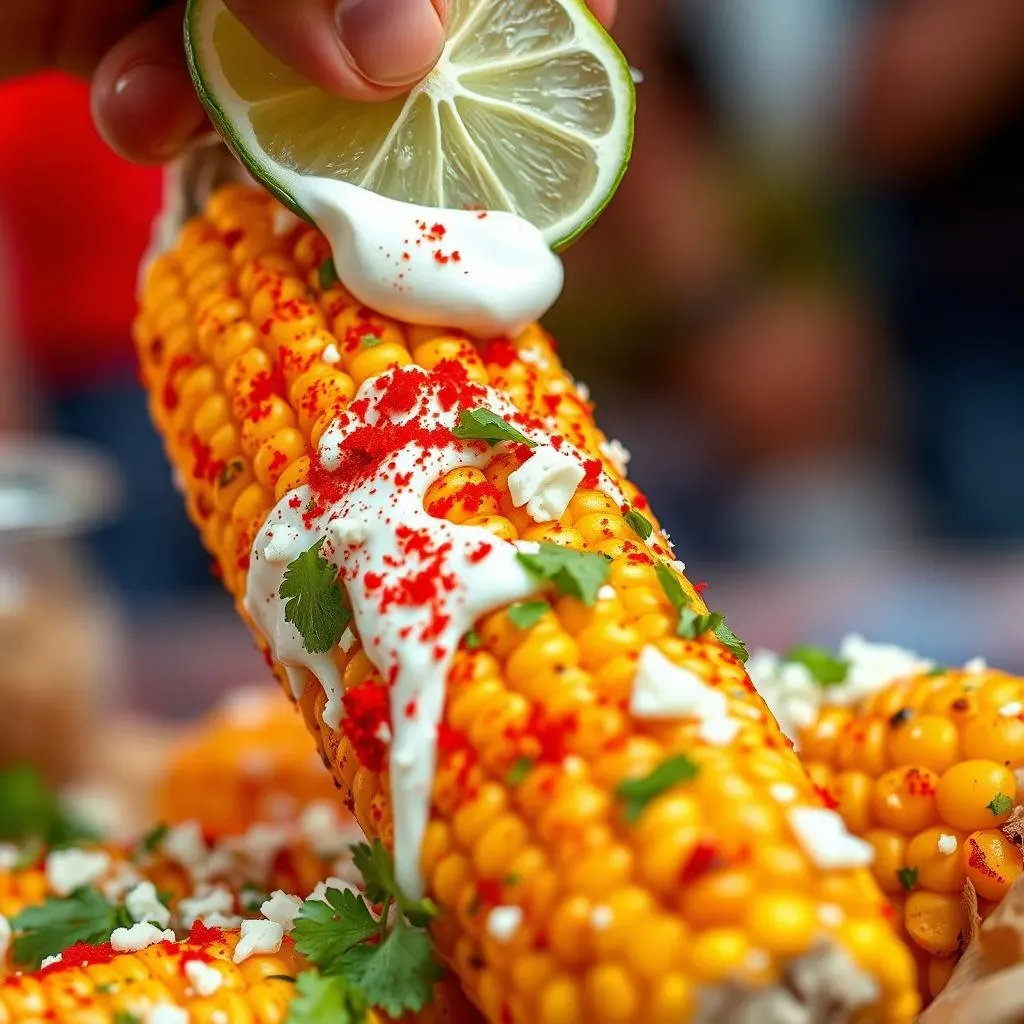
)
(617, 831)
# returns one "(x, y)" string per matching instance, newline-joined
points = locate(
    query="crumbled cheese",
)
(215, 902)
(719, 732)
(143, 904)
(782, 792)
(617, 454)
(661, 689)
(330, 354)
(282, 546)
(680, 567)
(976, 666)
(534, 358)
(139, 936)
(323, 828)
(601, 917)
(9, 856)
(5, 937)
(258, 937)
(67, 870)
(527, 547)
(504, 922)
(947, 844)
(545, 483)
(124, 877)
(320, 889)
(606, 593)
(831, 915)
(203, 978)
(347, 531)
(1011, 710)
(185, 844)
(49, 961)
(165, 1013)
(282, 909)
(824, 838)
(582, 390)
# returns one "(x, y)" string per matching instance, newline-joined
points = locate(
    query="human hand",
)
(143, 100)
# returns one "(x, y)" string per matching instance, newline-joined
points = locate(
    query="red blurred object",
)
(74, 222)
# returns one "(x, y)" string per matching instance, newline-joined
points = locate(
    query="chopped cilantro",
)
(908, 878)
(45, 930)
(126, 1017)
(673, 588)
(519, 770)
(328, 274)
(484, 425)
(639, 523)
(937, 670)
(374, 863)
(825, 668)
(577, 573)
(316, 605)
(325, 1000)
(325, 931)
(527, 613)
(29, 810)
(473, 640)
(153, 839)
(370, 340)
(731, 642)
(692, 626)
(637, 793)
(106, 988)
(1000, 804)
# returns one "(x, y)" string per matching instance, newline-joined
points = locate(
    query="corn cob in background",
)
(248, 761)
(926, 769)
(617, 830)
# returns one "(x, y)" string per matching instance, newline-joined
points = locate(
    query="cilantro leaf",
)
(693, 626)
(126, 1017)
(527, 613)
(29, 809)
(473, 640)
(730, 641)
(84, 916)
(908, 878)
(324, 931)
(637, 793)
(399, 974)
(639, 523)
(577, 573)
(1000, 804)
(374, 863)
(484, 425)
(327, 273)
(937, 670)
(325, 1000)
(673, 588)
(825, 668)
(316, 604)
(154, 838)
(519, 770)
(370, 340)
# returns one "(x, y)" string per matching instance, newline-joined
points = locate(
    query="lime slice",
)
(529, 109)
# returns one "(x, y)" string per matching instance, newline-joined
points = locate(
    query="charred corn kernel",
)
(992, 861)
(904, 799)
(626, 911)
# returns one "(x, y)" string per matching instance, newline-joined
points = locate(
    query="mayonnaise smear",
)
(416, 582)
(488, 273)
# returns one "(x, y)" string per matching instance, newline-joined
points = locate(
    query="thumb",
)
(360, 49)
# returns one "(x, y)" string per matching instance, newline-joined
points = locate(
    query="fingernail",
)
(391, 42)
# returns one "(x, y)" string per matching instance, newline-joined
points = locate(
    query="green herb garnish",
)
(527, 614)
(316, 603)
(636, 794)
(576, 573)
(639, 524)
(31, 811)
(519, 770)
(908, 878)
(825, 668)
(1000, 804)
(484, 425)
(327, 273)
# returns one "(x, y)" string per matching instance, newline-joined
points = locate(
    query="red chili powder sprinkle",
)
(439, 257)
(500, 352)
(366, 709)
(440, 230)
(705, 857)
(480, 553)
(592, 468)
(204, 466)
(471, 495)
(826, 797)
(410, 709)
(699, 588)
(201, 935)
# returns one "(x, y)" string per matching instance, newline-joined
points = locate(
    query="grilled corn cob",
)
(248, 761)
(590, 864)
(926, 770)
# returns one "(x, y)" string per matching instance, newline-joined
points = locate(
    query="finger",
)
(362, 49)
(604, 10)
(143, 101)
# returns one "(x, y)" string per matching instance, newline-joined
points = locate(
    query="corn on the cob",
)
(926, 770)
(248, 761)
(590, 864)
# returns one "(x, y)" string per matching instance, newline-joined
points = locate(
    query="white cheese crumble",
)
(782, 792)
(606, 593)
(185, 844)
(165, 1013)
(719, 732)
(824, 838)
(204, 979)
(601, 917)
(281, 547)
(947, 844)
(139, 936)
(49, 961)
(282, 909)
(1011, 710)
(124, 878)
(504, 922)
(976, 666)
(5, 937)
(258, 937)
(320, 889)
(545, 483)
(661, 689)
(617, 454)
(582, 390)
(143, 904)
(9, 856)
(348, 531)
(67, 870)
(330, 354)
(213, 907)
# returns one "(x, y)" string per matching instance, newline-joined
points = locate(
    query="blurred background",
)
(802, 315)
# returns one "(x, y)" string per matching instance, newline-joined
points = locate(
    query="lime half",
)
(529, 109)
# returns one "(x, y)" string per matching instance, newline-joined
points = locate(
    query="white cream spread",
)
(416, 582)
(488, 273)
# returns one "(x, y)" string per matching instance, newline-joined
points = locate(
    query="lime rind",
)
(610, 148)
